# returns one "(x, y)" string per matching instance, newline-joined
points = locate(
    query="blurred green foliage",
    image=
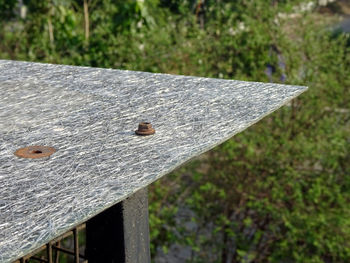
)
(278, 192)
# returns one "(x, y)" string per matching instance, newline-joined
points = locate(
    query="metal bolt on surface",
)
(145, 128)
(34, 152)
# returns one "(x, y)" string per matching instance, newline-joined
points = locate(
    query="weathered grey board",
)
(89, 115)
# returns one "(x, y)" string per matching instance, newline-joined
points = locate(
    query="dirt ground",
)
(340, 10)
(340, 7)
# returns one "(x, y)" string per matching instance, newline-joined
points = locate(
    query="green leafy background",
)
(278, 192)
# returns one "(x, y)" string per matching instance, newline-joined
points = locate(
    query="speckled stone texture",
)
(89, 116)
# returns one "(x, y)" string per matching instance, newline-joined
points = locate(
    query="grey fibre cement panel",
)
(89, 115)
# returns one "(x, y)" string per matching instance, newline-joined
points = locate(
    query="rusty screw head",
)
(145, 128)
(34, 152)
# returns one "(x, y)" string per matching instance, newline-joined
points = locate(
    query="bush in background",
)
(279, 192)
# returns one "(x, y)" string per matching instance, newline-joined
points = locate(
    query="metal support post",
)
(120, 234)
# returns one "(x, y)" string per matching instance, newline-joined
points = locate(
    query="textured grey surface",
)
(136, 228)
(89, 115)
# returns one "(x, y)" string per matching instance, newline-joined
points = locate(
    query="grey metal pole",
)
(120, 234)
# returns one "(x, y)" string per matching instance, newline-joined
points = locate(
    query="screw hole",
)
(33, 152)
